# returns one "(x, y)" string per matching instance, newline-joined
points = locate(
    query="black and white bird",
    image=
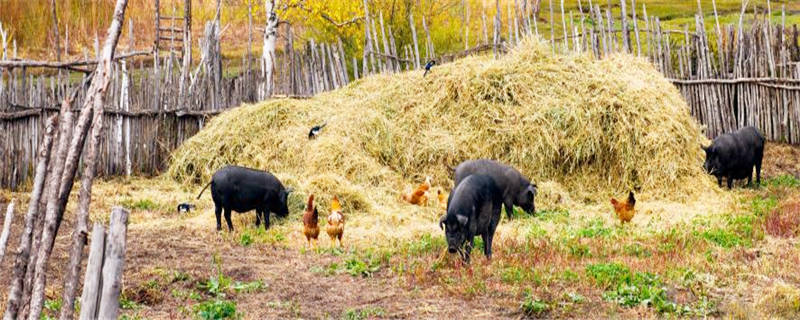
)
(185, 207)
(428, 67)
(316, 130)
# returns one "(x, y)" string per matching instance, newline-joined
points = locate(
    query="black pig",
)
(733, 155)
(515, 188)
(472, 209)
(243, 189)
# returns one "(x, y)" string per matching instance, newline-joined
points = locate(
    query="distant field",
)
(30, 22)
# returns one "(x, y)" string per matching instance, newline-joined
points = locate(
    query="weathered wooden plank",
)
(90, 297)
(113, 264)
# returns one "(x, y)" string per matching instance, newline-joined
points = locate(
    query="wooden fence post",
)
(6, 229)
(90, 297)
(113, 264)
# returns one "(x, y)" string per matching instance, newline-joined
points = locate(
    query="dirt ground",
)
(170, 257)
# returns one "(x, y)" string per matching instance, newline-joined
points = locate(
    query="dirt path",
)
(293, 288)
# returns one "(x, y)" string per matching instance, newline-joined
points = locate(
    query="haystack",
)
(578, 126)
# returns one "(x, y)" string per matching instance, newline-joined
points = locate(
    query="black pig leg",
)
(218, 213)
(509, 209)
(758, 171)
(228, 219)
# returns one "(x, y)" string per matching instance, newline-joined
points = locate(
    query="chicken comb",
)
(335, 206)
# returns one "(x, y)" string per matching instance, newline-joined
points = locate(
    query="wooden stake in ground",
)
(113, 264)
(94, 96)
(6, 229)
(93, 276)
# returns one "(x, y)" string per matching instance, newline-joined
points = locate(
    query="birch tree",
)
(268, 53)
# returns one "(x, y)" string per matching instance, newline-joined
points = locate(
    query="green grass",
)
(216, 309)
(424, 245)
(515, 275)
(761, 206)
(630, 289)
(723, 238)
(557, 215)
(786, 180)
(257, 235)
(533, 306)
(595, 228)
(363, 313)
(128, 304)
(364, 265)
(141, 204)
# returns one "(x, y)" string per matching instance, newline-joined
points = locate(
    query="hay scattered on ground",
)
(583, 129)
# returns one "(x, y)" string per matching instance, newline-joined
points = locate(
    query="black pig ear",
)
(462, 219)
(532, 189)
(441, 222)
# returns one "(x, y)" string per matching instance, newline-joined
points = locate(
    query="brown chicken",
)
(624, 210)
(442, 199)
(311, 221)
(420, 195)
(335, 227)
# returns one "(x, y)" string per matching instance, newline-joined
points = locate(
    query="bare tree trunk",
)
(82, 219)
(268, 54)
(56, 37)
(249, 36)
(496, 38)
(483, 24)
(55, 170)
(187, 52)
(430, 51)
(94, 97)
(414, 37)
(23, 250)
(465, 21)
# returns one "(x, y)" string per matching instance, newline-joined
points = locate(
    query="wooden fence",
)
(151, 109)
(732, 77)
(735, 76)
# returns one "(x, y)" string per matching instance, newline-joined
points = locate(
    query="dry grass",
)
(784, 221)
(583, 129)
